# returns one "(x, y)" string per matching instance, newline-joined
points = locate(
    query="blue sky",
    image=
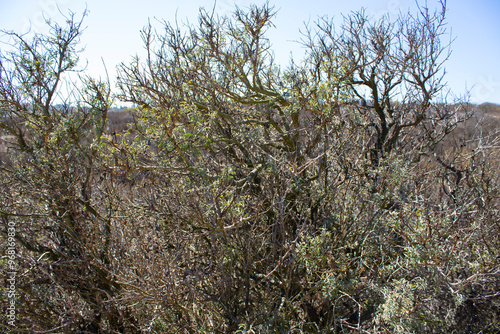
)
(113, 27)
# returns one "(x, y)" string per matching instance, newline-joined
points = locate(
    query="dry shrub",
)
(239, 197)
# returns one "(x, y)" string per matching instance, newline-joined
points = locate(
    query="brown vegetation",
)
(333, 196)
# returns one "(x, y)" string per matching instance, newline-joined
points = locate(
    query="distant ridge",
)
(490, 109)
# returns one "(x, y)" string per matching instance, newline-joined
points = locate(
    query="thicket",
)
(341, 194)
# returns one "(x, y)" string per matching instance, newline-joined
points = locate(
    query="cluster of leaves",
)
(248, 198)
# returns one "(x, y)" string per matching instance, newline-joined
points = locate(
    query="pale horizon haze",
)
(112, 33)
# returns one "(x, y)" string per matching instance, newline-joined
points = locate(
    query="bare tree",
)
(394, 71)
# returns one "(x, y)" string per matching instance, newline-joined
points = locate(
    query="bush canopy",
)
(344, 193)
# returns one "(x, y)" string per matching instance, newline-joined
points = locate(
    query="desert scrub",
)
(397, 312)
